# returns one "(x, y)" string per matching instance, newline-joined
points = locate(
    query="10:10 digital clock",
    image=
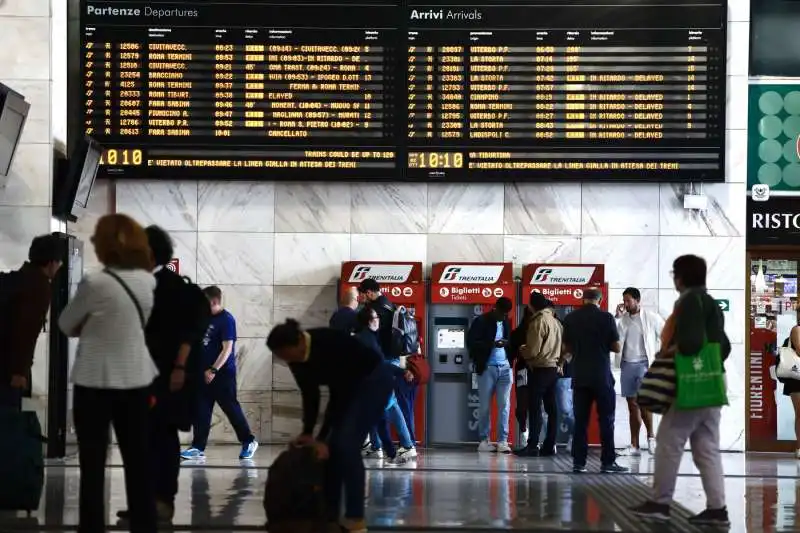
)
(435, 160)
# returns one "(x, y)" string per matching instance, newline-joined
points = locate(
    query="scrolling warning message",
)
(207, 89)
(584, 89)
(518, 90)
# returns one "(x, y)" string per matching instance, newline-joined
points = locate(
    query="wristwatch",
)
(212, 370)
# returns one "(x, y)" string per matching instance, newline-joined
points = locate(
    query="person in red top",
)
(25, 299)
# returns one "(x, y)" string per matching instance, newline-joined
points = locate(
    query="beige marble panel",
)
(235, 258)
(31, 61)
(251, 305)
(738, 48)
(312, 306)
(525, 249)
(312, 207)
(407, 203)
(169, 204)
(736, 156)
(542, 208)
(221, 430)
(388, 247)
(620, 209)
(736, 105)
(465, 248)
(18, 226)
(310, 258)
(254, 365)
(25, 8)
(724, 258)
(465, 208)
(287, 414)
(725, 216)
(28, 183)
(282, 378)
(629, 260)
(240, 206)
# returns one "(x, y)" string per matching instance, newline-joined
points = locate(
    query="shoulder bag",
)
(128, 290)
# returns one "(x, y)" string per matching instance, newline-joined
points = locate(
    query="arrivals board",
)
(534, 90)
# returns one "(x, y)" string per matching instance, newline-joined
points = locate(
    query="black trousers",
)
(606, 400)
(165, 448)
(542, 389)
(95, 410)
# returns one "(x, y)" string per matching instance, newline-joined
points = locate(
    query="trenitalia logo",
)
(381, 273)
(562, 275)
(477, 274)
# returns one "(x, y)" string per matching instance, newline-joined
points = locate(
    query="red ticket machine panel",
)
(404, 285)
(564, 284)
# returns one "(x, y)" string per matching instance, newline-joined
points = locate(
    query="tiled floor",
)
(455, 491)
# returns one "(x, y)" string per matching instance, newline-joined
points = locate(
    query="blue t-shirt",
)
(221, 328)
(498, 357)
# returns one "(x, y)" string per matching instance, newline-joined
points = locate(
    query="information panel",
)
(612, 90)
(532, 90)
(227, 90)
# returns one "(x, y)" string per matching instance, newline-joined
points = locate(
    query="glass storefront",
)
(773, 303)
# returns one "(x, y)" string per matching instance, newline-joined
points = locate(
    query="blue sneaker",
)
(249, 450)
(192, 453)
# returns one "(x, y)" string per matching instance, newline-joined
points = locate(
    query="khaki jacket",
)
(543, 344)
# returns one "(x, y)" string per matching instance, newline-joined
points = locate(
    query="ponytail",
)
(284, 335)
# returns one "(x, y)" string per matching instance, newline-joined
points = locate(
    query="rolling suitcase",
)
(294, 498)
(22, 467)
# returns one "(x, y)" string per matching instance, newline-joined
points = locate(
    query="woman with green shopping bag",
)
(694, 338)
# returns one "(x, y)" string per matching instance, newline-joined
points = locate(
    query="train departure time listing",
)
(526, 91)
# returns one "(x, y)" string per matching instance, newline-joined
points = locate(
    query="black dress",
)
(790, 386)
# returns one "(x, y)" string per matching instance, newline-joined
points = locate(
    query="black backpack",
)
(295, 492)
(405, 334)
(9, 288)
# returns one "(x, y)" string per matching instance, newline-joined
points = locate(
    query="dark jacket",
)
(369, 339)
(697, 315)
(385, 311)
(515, 342)
(339, 361)
(22, 320)
(344, 319)
(480, 340)
(589, 333)
(174, 322)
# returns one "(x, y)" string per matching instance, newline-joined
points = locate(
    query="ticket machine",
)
(563, 284)
(459, 293)
(403, 285)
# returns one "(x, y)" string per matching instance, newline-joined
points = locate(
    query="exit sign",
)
(725, 305)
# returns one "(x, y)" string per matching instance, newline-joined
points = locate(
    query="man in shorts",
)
(640, 335)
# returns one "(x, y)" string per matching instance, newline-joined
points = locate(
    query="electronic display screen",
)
(449, 339)
(434, 91)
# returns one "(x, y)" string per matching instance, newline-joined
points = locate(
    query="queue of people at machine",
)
(156, 352)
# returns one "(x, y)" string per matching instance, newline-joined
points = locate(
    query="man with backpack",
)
(179, 319)
(24, 301)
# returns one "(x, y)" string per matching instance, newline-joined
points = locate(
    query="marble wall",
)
(25, 45)
(275, 249)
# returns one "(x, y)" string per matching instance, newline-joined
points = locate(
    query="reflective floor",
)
(454, 491)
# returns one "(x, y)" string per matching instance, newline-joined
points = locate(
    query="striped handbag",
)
(657, 392)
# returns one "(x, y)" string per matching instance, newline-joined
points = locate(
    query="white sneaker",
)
(407, 453)
(503, 447)
(486, 446)
(651, 445)
(372, 454)
(397, 461)
(630, 451)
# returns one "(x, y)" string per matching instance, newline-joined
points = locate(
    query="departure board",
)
(389, 90)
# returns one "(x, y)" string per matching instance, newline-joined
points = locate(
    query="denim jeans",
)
(566, 417)
(495, 379)
(393, 416)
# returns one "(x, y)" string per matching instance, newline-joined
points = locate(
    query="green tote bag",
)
(700, 380)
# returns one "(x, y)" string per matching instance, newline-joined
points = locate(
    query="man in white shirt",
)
(640, 335)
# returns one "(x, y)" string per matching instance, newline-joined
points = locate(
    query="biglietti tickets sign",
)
(471, 283)
(562, 283)
(775, 221)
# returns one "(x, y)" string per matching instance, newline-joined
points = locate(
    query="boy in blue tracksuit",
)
(219, 383)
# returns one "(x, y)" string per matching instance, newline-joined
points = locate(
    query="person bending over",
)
(360, 384)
